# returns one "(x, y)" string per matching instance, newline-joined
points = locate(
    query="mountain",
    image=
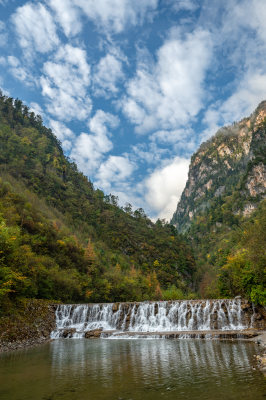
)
(222, 210)
(227, 174)
(62, 239)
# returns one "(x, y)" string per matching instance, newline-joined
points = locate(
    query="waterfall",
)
(74, 320)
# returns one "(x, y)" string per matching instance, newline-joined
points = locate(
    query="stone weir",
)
(228, 318)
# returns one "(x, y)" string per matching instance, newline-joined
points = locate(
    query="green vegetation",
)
(61, 239)
(229, 246)
(232, 261)
(243, 271)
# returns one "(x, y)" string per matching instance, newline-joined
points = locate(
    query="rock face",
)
(32, 325)
(231, 163)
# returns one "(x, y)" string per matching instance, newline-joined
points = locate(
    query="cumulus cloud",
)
(21, 73)
(251, 91)
(164, 187)
(245, 14)
(18, 71)
(243, 101)
(170, 137)
(65, 81)
(113, 172)
(109, 16)
(35, 28)
(169, 93)
(67, 15)
(63, 133)
(243, 34)
(107, 75)
(36, 108)
(256, 16)
(221, 64)
(88, 149)
(181, 140)
(116, 15)
(148, 153)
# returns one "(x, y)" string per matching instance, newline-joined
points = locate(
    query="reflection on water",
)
(132, 369)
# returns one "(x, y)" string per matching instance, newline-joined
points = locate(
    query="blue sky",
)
(131, 88)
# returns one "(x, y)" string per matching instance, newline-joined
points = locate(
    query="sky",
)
(131, 88)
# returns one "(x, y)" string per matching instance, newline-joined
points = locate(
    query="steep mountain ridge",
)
(228, 171)
(222, 210)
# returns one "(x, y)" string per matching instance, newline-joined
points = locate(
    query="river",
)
(132, 369)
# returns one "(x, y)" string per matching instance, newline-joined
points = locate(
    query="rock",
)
(68, 333)
(262, 363)
(95, 333)
(238, 297)
(245, 306)
(257, 316)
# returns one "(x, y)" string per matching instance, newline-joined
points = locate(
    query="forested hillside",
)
(61, 239)
(222, 210)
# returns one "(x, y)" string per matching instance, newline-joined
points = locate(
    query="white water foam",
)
(154, 317)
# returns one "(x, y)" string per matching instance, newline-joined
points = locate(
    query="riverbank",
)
(260, 340)
(29, 324)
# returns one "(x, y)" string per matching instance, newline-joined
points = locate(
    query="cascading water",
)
(179, 316)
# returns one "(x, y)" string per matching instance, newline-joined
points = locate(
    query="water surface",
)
(141, 369)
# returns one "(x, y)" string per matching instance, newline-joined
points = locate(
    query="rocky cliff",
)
(227, 175)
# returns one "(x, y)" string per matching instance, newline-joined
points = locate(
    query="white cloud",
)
(63, 133)
(238, 28)
(109, 16)
(148, 153)
(241, 33)
(170, 93)
(116, 15)
(108, 73)
(183, 139)
(88, 149)
(164, 187)
(188, 5)
(171, 137)
(36, 108)
(246, 14)
(65, 82)
(249, 93)
(113, 172)
(61, 130)
(258, 17)
(35, 28)
(18, 71)
(14, 67)
(68, 16)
